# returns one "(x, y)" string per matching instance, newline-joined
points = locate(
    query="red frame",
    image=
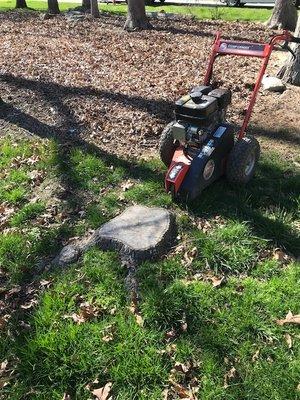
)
(248, 49)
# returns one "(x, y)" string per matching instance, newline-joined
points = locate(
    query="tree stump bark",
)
(290, 72)
(284, 15)
(136, 16)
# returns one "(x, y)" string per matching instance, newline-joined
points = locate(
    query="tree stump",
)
(139, 233)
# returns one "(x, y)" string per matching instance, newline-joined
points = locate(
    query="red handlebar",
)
(286, 36)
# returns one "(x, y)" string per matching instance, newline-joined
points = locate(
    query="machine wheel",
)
(167, 146)
(242, 160)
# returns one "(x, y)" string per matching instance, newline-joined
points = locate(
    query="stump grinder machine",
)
(199, 146)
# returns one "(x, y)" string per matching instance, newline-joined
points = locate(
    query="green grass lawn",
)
(226, 337)
(224, 13)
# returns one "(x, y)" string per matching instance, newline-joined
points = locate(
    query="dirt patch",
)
(90, 80)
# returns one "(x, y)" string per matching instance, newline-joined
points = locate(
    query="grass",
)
(224, 13)
(232, 326)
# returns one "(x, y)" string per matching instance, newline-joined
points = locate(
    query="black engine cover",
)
(199, 108)
(208, 163)
(223, 97)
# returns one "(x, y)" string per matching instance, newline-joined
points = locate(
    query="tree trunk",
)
(21, 4)
(136, 16)
(284, 15)
(290, 72)
(53, 7)
(95, 9)
(86, 4)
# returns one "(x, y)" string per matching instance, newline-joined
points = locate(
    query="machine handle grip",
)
(295, 39)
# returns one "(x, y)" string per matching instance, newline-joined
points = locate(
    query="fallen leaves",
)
(3, 379)
(103, 393)
(127, 185)
(87, 312)
(138, 317)
(182, 392)
(6, 211)
(288, 340)
(229, 376)
(108, 333)
(30, 304)
(255, 356)
(217, 282)
(289, 319)
(189, 256)
(3, 321)
(36, 177)
(170, 335)
(280, 256)
(7, 370)
(206, 225)
(182, 381)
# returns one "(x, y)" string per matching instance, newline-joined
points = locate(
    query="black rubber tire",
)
(242, 160)
(167, 146)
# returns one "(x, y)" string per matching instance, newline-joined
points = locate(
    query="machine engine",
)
(198, 113)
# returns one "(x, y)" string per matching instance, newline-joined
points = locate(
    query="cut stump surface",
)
(139, 233)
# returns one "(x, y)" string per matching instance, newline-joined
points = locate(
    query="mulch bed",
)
(92, 80)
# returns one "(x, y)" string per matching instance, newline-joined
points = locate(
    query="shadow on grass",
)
(288, 136)
(269, 203)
